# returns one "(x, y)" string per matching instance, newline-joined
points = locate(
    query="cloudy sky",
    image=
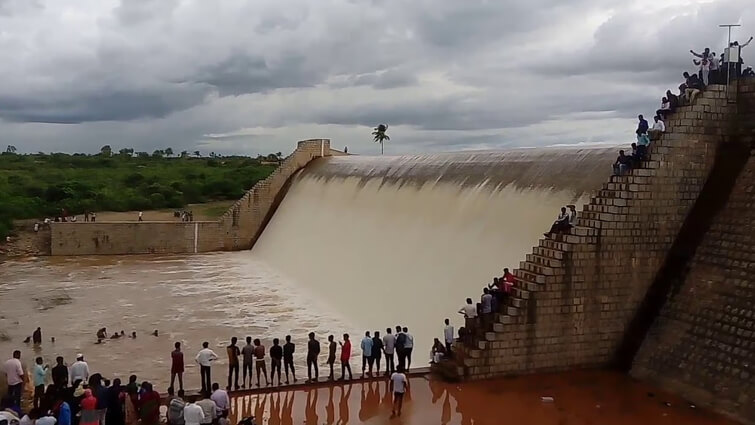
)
(254, 76)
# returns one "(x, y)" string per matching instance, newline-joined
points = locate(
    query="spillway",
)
(404, 240)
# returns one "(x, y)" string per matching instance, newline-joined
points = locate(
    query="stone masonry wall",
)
(237, 229)
(702, 345)
(578, 293)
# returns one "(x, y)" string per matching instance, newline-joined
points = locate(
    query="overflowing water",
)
(358, 243)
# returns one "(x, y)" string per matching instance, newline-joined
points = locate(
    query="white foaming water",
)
(387, 241)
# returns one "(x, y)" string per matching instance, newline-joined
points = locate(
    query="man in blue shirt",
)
(367, 353)
(39, 381)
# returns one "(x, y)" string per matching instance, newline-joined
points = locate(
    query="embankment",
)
(237, 229)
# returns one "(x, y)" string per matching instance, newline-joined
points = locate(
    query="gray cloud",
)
(258, 74)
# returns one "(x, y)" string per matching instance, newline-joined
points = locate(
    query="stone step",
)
(544, 261)
(520, 292)
(549, 253)
(517, 302)
(541, 270)
(555, 245)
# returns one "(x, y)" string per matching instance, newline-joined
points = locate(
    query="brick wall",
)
(237, 229)
(702, 345)
(579, 293)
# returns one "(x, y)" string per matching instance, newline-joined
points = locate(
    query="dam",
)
(654, 281)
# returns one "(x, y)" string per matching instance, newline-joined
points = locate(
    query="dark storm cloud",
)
(145, 68)
(240, 74)
(103, 106)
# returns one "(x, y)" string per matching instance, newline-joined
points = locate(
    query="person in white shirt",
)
(141, 216)
(389, 347)
(470, 319)
(208, 408)
(14, 376)
(193, 413)
(399, 384)
(221, 399)
(79, 369)
(448, 336)
(659, 127)
(204, 358)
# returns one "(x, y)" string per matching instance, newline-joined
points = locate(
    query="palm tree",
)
(197, 154)
(380, 135)
(168, 152)
(10, 149)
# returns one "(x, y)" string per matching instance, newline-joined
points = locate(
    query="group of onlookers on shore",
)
(711, 70)
(77, 398)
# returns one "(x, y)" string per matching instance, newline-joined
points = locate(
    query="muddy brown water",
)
(186, 298)
(579, 398)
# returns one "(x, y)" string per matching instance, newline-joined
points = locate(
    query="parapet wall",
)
(702, 346)
(579, 293)
(237, 229)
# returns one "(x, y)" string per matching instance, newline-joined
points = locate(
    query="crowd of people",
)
(77, 397)
(478, 317)
(711, 70)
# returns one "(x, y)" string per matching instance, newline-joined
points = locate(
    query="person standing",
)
(259, 362)
(313, 350)
(89, 415)
(408, 348)
(149, 405)
(366, 346)
(204, 358)
(177, 366)
(486, 305)
(276, 357)
(469, 311)
(389, 346)
(176, 408)
(247, 353)
(193, 413)
(79, 369)
(36, 337)
(39, 381)
(60, 373)
(400, 341)
(221, 400)
(331, 356)
(288, 357)
(345, 357)
(208, 409)
(233, 363)
(114, 404)
(377, 351)
(399, 385)
(448, 336)
(141, 216)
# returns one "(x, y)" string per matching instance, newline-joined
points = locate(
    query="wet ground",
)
(579, 398)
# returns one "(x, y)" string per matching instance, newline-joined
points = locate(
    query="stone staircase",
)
(624, 215)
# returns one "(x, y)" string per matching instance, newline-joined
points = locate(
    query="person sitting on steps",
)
(622, 165)
(561, 224)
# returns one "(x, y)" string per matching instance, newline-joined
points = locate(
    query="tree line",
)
(41, 185)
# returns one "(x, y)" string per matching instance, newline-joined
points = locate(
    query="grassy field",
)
(39, 185)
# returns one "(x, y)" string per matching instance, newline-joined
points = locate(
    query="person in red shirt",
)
(177, 366)
(345, 356)
(509, 280)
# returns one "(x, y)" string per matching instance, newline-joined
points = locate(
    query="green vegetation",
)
(40, 185)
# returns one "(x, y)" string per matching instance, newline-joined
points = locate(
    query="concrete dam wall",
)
(406, 239)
